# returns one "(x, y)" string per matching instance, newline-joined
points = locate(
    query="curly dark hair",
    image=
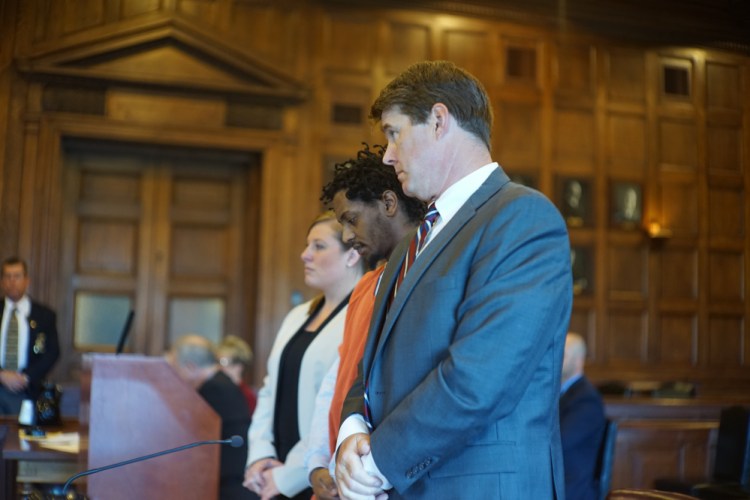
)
(365, 178)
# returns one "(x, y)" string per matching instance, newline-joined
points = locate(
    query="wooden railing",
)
(664, 438)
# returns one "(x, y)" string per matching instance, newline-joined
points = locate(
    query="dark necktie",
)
(414, 248)
(11, 343)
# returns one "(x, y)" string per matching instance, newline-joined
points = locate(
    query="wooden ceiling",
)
(723, 24)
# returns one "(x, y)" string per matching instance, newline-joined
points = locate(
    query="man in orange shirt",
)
(375, 214)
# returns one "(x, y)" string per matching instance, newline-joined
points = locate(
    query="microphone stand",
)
(234, 441)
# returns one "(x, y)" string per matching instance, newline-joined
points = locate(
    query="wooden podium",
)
(136, 405)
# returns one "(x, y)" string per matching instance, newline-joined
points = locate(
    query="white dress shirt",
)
(23, 309)
(318, 452)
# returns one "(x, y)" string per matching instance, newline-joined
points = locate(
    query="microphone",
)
(234, 442)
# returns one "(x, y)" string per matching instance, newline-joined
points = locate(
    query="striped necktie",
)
(417, 243)
(11, 343)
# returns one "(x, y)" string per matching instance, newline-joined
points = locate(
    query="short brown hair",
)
(422, 85)
(12, 261)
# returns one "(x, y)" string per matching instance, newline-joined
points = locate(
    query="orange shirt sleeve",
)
(352, 347)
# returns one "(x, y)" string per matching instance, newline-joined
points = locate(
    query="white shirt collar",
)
(453, 198)
(23, 305)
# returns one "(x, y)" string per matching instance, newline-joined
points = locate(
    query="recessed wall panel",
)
(725, 341)
(724, 146)
(199, 252)
(677, 339)
(626, 76)
(625, 336)
(726, 213)
(341, 53)
(574, 69)
(520, 139)
(723, 85)
(107, 246)
(678, 144)
(407, 44)
(627, 274)
(574, 138)
(679, 207)
(678, 274)
(626, 143)
(725, 276)
(471, 50)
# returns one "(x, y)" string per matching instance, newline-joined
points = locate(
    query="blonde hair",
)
(236, 351)
(329, 216)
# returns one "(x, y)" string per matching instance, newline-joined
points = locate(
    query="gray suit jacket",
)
(464, 370)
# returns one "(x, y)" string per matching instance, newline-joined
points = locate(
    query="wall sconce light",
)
(657, 231)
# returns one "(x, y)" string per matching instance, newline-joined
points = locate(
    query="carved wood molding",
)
(173, 56)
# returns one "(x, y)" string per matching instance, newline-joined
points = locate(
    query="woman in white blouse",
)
(305, 347)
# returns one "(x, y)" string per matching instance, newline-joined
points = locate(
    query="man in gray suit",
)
(458, 389)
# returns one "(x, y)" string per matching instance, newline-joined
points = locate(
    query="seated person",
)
(194, 359)
(235, 358)
(582, 423)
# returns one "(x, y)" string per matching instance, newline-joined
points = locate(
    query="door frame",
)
(149, 283)
(41, 217)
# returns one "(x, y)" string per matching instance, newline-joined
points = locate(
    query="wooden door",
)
(164, 233)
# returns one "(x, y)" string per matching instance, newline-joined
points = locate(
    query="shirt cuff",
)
(355, 424)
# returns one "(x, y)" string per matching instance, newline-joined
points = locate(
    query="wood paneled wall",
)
(662, 297)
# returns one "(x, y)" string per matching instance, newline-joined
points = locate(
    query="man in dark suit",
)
(462, 366)
(29, 346)
(582, 423)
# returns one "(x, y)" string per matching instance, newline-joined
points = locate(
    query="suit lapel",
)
(385, 287)
(382, 324)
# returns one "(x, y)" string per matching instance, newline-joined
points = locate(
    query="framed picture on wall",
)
(581, 263)
(575, 201)
(627, 204)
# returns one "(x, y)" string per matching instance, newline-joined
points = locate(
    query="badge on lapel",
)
(39, 343)
(32, 324)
